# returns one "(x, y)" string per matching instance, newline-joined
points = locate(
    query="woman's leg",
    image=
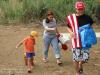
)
(56, 48)
(47, 42)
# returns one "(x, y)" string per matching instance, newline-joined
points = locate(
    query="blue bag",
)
(88, 36)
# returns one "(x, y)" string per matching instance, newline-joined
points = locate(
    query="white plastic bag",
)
(64, 37)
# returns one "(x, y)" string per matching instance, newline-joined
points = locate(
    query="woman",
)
(50, 37)
(74, 22)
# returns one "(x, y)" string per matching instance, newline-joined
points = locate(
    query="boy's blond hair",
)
(34, 33)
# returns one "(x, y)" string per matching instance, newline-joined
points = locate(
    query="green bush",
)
(34, 10)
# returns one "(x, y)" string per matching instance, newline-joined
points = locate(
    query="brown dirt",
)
(11, 59)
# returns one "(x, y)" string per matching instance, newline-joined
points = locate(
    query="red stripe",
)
(79, 39)
(73, 40)
(68, 22)
(74, 30)
(74, 22)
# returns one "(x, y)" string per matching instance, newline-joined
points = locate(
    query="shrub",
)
(34, 10)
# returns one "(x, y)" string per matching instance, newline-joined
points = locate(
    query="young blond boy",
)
(29, 53)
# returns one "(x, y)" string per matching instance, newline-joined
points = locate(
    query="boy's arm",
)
(19, 44)
(70, 32)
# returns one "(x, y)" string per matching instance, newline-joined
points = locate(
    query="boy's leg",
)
(32, 61)
(76, 64)
(81, 66)
(85, 54)
(77, 58)
(56, 48)
(85, 57)
(25, 59)
(32, 58)
(47, 42)
(29, 61)
(29, 66)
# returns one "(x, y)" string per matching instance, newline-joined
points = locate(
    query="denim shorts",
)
(30, 55)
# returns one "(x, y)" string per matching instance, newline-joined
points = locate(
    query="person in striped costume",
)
(74, 21)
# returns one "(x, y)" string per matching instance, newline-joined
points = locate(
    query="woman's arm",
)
(57, 31)
(47, 28)
(50, 29)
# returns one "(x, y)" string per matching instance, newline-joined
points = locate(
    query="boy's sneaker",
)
(29, 71)
(81, 71)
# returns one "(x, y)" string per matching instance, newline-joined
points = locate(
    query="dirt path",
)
(11, 59)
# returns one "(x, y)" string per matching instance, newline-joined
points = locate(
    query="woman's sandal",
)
(59, 62)
(45, 60)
